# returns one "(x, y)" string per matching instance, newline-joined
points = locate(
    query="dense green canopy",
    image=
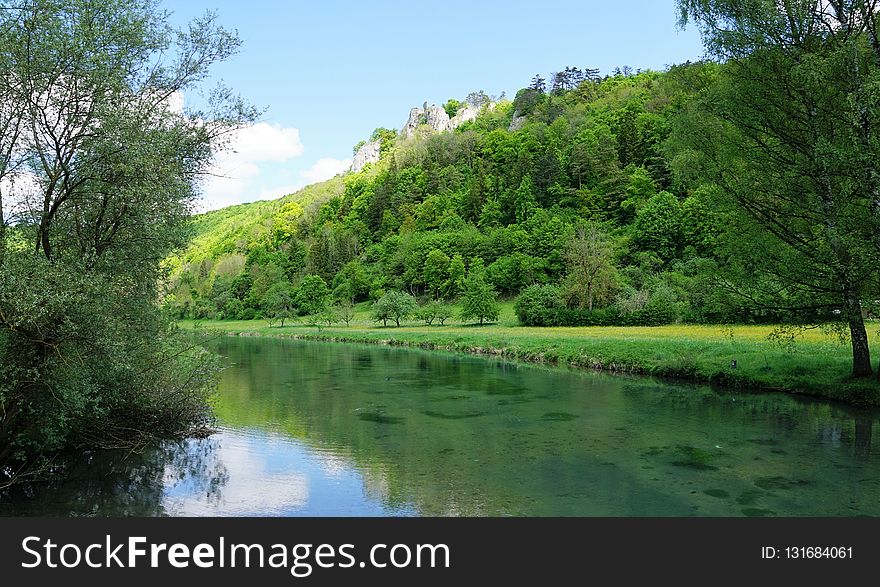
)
(98, 173)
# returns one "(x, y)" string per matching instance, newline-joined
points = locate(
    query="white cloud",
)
(235, 171)
(326, 168)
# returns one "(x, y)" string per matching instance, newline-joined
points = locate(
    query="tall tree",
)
(436, 271)
(539, 84)
(479, 300)
(107, 171)
(591, 272)
(794, 144)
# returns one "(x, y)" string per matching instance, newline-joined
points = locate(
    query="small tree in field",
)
(278, 303)
(345, 312)
(443, 313)
(328, 316)
(394, 305)
(480, 301)
(434, 312)
(426, 313)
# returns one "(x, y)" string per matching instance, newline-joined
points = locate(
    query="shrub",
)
(538, 305)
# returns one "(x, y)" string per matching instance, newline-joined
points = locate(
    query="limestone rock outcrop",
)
(518, 121)
(465, 114)
(436, 118)
(416, 119)
(368, 153)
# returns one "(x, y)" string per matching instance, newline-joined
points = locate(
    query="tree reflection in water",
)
(122, 483)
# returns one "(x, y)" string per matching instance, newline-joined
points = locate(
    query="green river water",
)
(341, 430)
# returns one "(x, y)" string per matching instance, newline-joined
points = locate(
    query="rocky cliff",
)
(436, 118)
(433, 117)
(368, 153)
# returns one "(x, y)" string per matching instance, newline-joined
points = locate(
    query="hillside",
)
(582, 192)
(236, 228)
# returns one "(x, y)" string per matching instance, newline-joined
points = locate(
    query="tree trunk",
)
(2, 231)
(859, 336)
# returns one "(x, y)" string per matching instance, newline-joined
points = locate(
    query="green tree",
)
(114, 170)
(345, 312)
(452, 107)
(263, 277)
(479, 301)
(456, 274)
(524, 200)
(436, 271)
(278, 303)
(795, 149)
(510, 273)
(386, 137)
(591, 271)
(394, 305)
(286, 221)
(312, 295)
(659, 227)
(434, 312)
(640, 188)
(352, 282)
(328, 316)
(331, 248)
(442, 313)
(491, 214)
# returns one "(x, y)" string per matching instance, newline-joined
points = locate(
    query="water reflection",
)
(117, 483)
(317, 429)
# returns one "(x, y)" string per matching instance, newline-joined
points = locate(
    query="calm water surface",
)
(323, 429)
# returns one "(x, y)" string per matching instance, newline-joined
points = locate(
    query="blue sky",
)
(331, 71)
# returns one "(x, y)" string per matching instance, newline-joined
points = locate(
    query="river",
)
(319, 429)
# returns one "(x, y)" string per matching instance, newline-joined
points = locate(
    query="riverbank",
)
(812, 363)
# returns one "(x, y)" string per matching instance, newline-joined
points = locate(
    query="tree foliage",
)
(795, 151)
(394, 305)
(479, 300)
(104, 171)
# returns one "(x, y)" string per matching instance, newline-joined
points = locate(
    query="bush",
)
(537, 305)
(540, 305)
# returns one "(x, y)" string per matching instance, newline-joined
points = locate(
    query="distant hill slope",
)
(229, 230)
(584, 195)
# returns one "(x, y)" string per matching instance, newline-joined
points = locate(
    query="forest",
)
(583, 206)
